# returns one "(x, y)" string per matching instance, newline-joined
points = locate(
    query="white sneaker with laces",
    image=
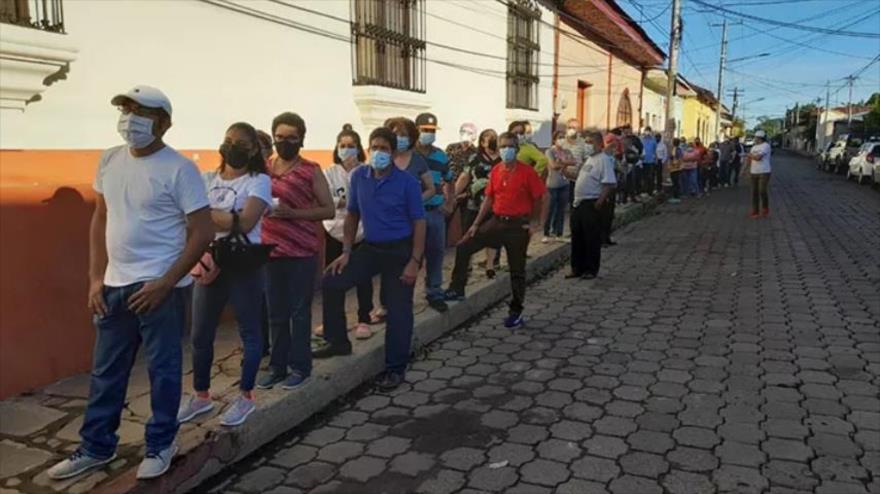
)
(77, 463)
(238, 411)
(193, 407)
(156, 464)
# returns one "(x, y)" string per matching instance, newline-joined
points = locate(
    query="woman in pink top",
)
(302, 199)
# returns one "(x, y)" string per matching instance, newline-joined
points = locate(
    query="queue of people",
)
(245, 235)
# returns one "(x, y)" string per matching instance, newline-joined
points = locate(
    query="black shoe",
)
(609, 243)
(438, 304)
(453, 296)
(328, 351)
(588, 276)
(390, 380)
(490, 273)
(572, 275)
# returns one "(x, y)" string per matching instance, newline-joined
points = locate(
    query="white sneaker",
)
(156, 464)
(77, 463)
(545, 240)
(238, 411)
(192, 408)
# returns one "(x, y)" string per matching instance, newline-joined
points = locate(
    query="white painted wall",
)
(219, 67)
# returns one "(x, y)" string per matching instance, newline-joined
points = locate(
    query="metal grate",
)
(388, 43)
(523, 48)
(47, 15)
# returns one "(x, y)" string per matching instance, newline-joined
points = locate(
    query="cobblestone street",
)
(715, 353)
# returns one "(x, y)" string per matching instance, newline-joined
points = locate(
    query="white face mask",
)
(560, 142)
(571, 133)
(135, 130)
(467, 137)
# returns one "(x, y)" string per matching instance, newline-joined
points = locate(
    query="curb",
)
(206, 451)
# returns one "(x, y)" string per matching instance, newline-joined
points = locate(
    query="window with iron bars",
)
(47, 15)
(388, 43)
(523, 48)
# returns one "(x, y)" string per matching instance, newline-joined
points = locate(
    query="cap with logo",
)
(426, 120)
(147, 96)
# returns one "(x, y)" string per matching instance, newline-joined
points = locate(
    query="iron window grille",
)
(523, 49)
(388, 43)
(47, 15)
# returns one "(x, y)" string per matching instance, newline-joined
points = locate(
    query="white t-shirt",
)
(227, 194)
(597, 171)
(339, 181)
(762, 165)
(147, 202)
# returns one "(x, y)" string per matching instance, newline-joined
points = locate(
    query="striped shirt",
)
(295, 188)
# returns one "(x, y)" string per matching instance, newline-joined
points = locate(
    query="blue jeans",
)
(691, 182)
(119, 334)
(435, 247)
(387, 259)
(291, 287)
(245, 293)
(556, 212)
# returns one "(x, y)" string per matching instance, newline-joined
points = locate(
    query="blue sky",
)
(791, 73)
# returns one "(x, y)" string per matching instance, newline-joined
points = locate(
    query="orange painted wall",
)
(46, 202)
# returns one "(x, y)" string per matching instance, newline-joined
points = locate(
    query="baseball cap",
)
(428, 120)
(760, 134)
(468, 127)
(147, 96)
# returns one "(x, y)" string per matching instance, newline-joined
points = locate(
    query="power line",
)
(790, 25)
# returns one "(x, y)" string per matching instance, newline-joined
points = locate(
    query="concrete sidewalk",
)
(40, 428)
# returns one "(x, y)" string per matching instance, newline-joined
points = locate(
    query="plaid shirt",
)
(460, 155)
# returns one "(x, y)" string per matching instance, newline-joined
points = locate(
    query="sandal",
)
(362, 331)
(377, 316)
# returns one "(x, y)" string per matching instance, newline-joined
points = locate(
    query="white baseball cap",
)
(147, 96)
(760, 134)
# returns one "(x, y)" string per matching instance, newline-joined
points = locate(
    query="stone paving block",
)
(324, 436)
(412, 463)
(559, 450)
(366, 432)
(17, 458)
(839, 469)
(795, 475)
(498, 419)
(294, 456)
(571, 430)
(514, 454)
(463, 458)
(739, 480)
(614, 426)
(834, 445)
(363, 468)
(832, 487)
(578, 486)
(544, 472)
(696, 436)
(735, 453)
(644, 464)
(21, 419)
(628, 484)
(789, 429)
(492, 480)
(527, 434)
(340, 452)
(692, 459)
(388, 446)
(742, 432)
(594, 468)
(679, 482)
(444, 482)
(260, 480)
(310, 475)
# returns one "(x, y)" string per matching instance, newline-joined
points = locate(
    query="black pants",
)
(333, 249)
(676, 183)
(658, 174)
(586, 238)
(735, 169)
(607, 221)
(648, 178)
(497, 232)
(760, 196)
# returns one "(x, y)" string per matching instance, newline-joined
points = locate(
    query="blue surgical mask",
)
(427, 138)
(380, 160)
(346, 153)
(135, 130)
(508, 154)
(402, 143)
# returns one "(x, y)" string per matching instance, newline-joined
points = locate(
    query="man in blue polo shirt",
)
(649, 161)
(389, 203)
(436, 209)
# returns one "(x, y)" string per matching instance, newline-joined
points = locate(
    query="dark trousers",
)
(497, 232)
(648, 178)
(735, 169)
(291, 287)
(556, 212)
(607, 218)
(586, 238)
(760, 195)
(387, 259)
(633, 182)
(676, 183)
(724, 173)
(120, 332)
(364, 290)
(245, 293)
(658, 175)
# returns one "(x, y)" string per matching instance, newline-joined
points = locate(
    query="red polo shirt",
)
(515, 191)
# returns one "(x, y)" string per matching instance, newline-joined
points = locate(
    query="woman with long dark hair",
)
(471, 188)
(239, 192)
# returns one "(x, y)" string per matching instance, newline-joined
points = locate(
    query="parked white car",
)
(863, 166)
(838, 157)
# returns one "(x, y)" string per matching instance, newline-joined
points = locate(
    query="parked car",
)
(822, 156)
(841, 153)
(863, 166)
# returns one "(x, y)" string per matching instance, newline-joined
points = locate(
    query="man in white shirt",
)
(759, 167)
(150, 226)
(662, 158)
(594, 186)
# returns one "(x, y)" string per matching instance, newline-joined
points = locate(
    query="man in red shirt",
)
(516, 201)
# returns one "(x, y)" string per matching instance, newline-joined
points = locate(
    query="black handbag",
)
(235, 253)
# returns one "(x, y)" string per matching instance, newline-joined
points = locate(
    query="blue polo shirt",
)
(650, 149)
(438, 165)
(388, 205)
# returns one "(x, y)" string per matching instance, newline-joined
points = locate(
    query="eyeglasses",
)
(141, 111)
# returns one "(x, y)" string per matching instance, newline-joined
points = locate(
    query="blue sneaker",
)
(294, 381)
(238, 412)
(453, 296)
(514, 321)
(270, 379)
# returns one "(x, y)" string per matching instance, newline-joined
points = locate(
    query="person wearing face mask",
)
(594, 187)
(464, 151)
(557, 185)
(239, 192)
(143, 241)
(470, 187)
(528, 152)
(517, 198)
(649, 161)
(302, 198)
(437, 208)
(388, 202)
(348, 156)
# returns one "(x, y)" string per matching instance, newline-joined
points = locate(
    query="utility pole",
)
(820, 123)
(850, 79)
(671, 72)
(797, 114)
(720, 92)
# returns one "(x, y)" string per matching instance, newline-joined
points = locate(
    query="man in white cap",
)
(150, 226)
(759, 167)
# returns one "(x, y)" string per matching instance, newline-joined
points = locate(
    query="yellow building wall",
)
(583, 62)
(698, 120)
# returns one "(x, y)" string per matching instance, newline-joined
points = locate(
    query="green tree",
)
(872, 119)
(772, 126)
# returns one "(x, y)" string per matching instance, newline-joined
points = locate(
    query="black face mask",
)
(288, 150)
(235, 156)
(493, 145)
